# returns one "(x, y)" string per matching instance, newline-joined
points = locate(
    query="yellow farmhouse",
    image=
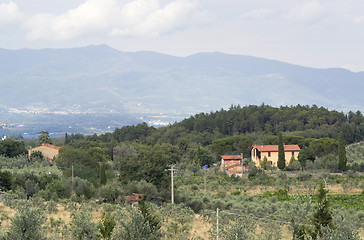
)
(258, 153)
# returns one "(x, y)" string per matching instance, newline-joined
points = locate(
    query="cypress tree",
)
(322, 217)
(342, 153)
(66, 139)
(102, 174)
(281, 158)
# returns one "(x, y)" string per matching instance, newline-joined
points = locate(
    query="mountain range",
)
(103, 80)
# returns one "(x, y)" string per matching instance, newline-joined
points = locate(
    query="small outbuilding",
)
(233, 164)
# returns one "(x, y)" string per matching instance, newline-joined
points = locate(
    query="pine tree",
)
(281, 158)
(44, 138)
(322, 217)
(342, 154)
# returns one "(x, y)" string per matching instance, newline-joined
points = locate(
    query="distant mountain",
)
(100, 79)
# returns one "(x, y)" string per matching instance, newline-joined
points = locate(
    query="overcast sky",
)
(316, 33)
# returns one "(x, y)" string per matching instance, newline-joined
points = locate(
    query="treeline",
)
(306, 121)
(300, 120)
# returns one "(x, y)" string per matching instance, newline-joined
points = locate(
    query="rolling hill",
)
(100, 79)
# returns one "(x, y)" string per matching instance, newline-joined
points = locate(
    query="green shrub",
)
(82, 226)
(304, 176)
(27, 224)
(281, 194)
(236, 193)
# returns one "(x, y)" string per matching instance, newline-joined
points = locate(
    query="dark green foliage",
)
(82, 227)
(11, 148)
(148, 190)
(133, 226)
(107, 225)
(232, 145)
(67, 139)
(36, 156)
(281, 194)
(241, 120)
(6, 180)
(342, 154)
(281, 164)
(318, 147)
(44, 138)
(86, 162)
(102, 174)
(151, 219)
(131, 133)
(293, 165)
(109, 193)
(149, 164)
(255, 172)
(264, 163)
(27, 224)
(322, 216)
(83, 188)
(303, 121)
(348, 201)
(305, 155)
(201, 156)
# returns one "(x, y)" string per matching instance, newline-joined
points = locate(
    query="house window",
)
(292, 153)
(268, 154)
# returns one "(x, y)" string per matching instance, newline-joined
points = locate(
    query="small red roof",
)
(274, 148)
(51, 146)
(231, 157)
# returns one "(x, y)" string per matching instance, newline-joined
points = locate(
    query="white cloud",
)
(145, 18)
(307, 11)
(257, 14)
(157, 20)
(9, 13)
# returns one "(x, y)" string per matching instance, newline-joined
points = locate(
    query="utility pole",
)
(72, 172)
(204, 179)
(172, 169)
(325, 179)
(217, 223)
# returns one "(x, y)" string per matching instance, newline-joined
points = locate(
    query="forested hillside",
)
(202, 138)
(305, 121)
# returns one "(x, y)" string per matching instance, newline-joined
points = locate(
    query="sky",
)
(313, 33)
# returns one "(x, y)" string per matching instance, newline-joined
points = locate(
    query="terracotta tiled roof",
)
(232, 166)
(51, 146)
(231, 157)
(274, 148)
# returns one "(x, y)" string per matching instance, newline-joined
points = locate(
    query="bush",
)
(196, 205)
(106, 225)
(282, 176)
(304, 176)
(256, 173)
(6, 180)
(109, 193)
(236, 193)
(27, 225)
(293, 166)
(281, 194)
(148, 190)
(82, 226)
(83, 188)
